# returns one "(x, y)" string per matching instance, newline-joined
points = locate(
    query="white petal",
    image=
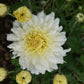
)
(17, 24)
(12, 37)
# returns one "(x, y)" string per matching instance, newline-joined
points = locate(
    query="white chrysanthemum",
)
(38, 43)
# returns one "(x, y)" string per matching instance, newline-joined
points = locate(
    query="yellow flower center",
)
(23, 77)
(35, 42)
(22, 14)
(60, 81)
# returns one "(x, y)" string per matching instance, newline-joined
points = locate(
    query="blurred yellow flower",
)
(24, 77)
(80, 7)
(60, 79)
(22, 14)
(3, 74)
(80, 17)
(68, 0)
(3, 10)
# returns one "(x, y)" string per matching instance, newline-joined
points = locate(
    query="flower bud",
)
(3, 10)
(24, 77)
(60, 79)
(3, 74)
(80, 17)
(22, 14)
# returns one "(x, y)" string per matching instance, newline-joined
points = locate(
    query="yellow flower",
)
(3, 74)
(3, 9)
(24, 77)
(22, 14)
(60, 79)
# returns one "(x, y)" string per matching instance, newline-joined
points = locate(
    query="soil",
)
(5, 27)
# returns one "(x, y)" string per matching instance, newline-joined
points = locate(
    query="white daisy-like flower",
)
(38, 43)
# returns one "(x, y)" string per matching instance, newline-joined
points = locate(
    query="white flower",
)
(80, 17)
(38, 43)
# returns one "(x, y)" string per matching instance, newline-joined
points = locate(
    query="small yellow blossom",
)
(60, 79)
(24, 77)
(43, 2)
(3, 10)
(80, 17)
(22, 14)
(3, 74)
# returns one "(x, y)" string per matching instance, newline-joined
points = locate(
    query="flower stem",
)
(10, 14)
(13, 71)
(29, 1)
(59, 70)
(73, 27)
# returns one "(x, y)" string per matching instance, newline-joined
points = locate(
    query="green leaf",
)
(17, 5)
(74, 44)
(15, 62)
(82, 59)
(81, 76)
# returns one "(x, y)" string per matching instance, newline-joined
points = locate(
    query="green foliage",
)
(15, 62)
(73, 68)
(16, 70)
(82, 59)
(15, 6)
